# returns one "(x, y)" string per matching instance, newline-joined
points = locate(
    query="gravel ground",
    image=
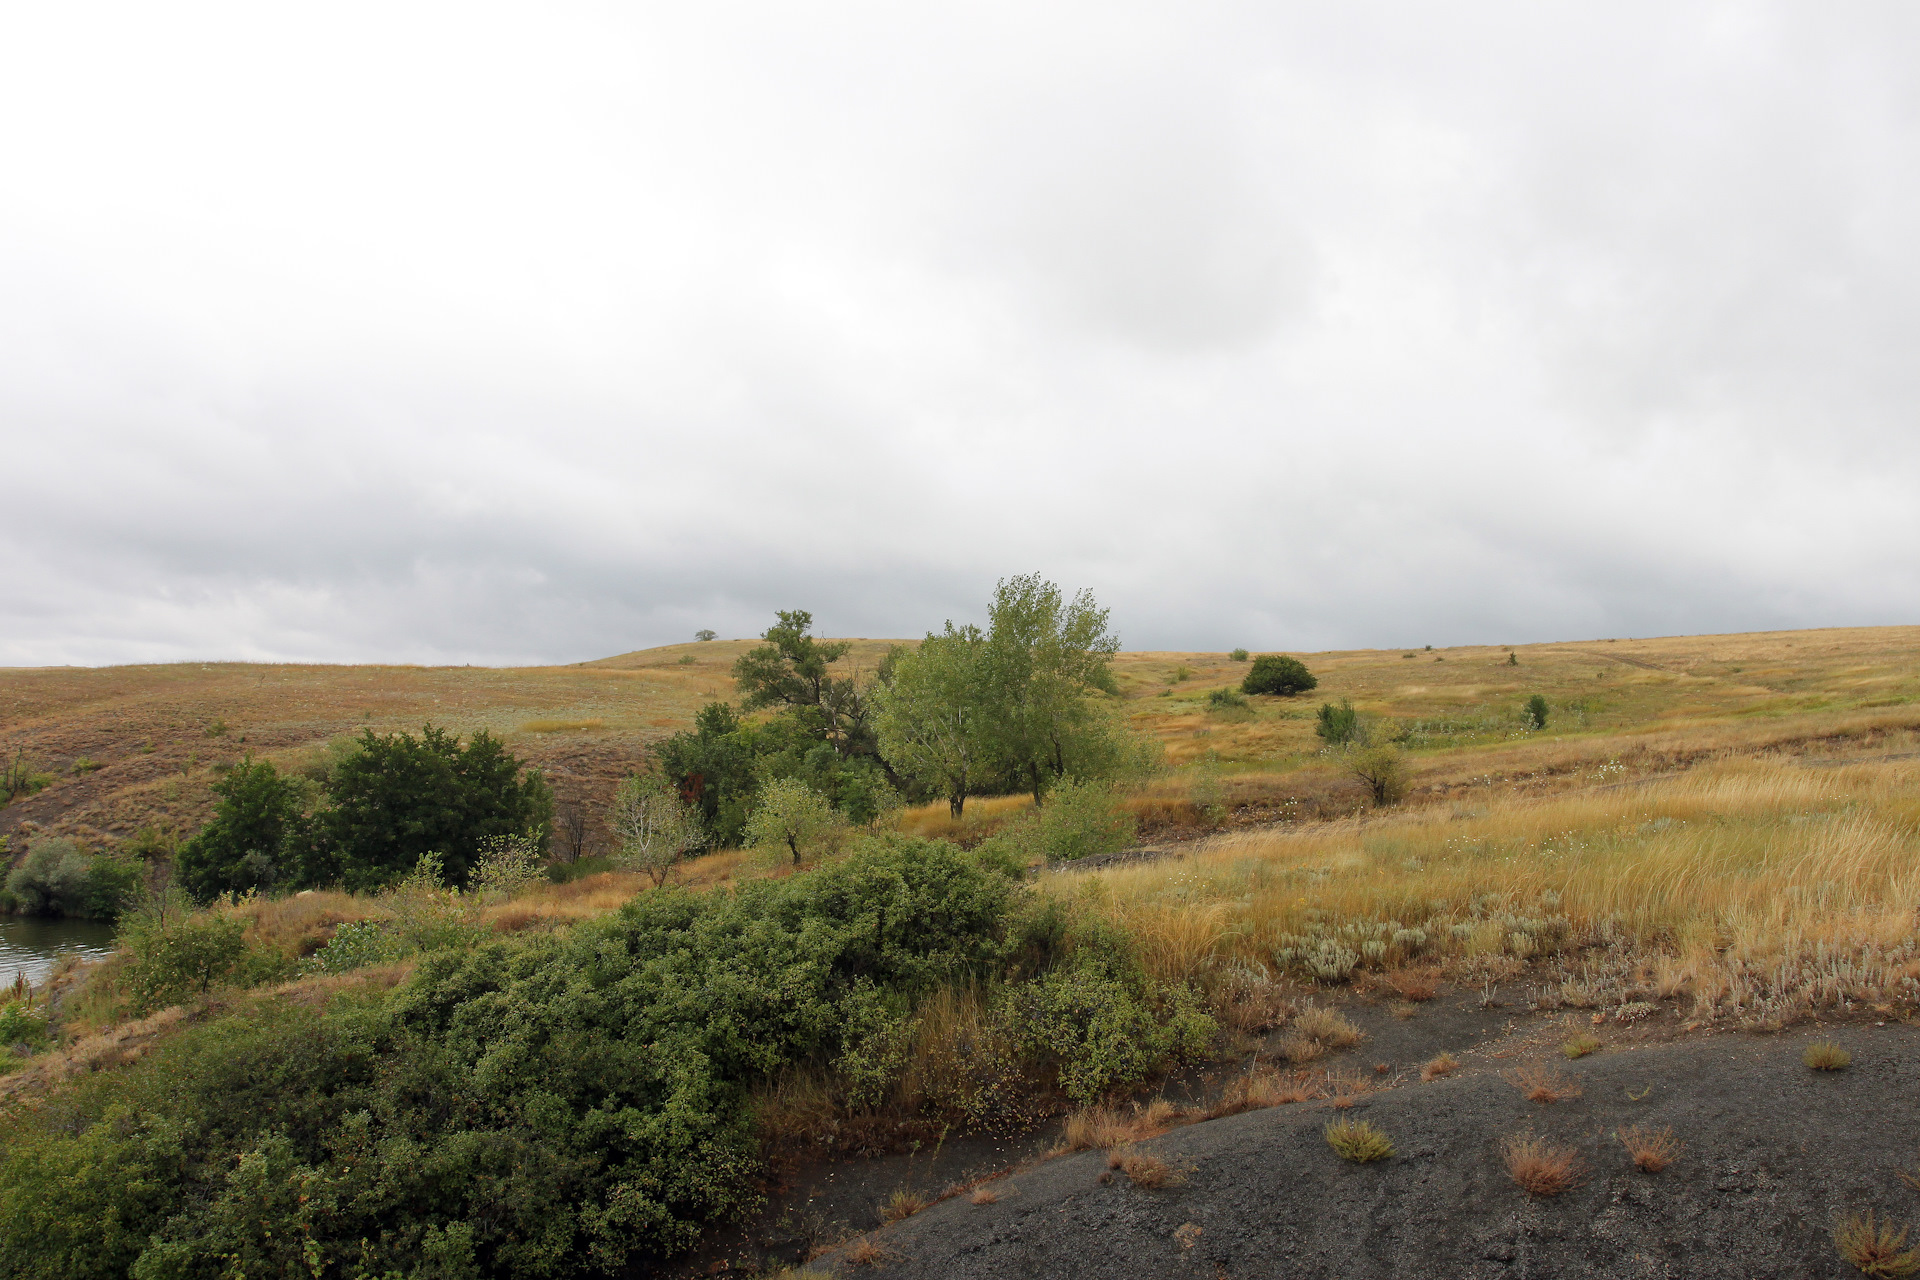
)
(1775, 1155)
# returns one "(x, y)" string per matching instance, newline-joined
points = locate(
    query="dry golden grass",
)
(866, 1252)
(1825, 1055)
(1541, 1167)
(1326, 1027)
(1416, 985)
(1443, 1064)
(1761, 885)
(1546, 1084)
(903, 1203)
(984, 1196)
(1652, 1149)
(984, 815)
(1144, 1170)
(1876, 1248)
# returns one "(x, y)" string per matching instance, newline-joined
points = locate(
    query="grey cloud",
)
(1277, 326)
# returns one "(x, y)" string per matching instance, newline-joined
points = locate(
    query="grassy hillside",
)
(134, 746)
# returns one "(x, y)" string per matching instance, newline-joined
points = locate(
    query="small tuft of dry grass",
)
(903, 1203)
(1442, 1064)
(1541, 1167)
(1143, 1170)
(1327, 1028)
(1876, 1248)
(864, 1252)
(1580, 1046)
(1402, 1010)
(1299, 1051)
(1417, 985)
(984, 1196)
(1094, 1127)
(1652, 1149)
(1825, 1055)
(1545, 1084)
(1359, 1141)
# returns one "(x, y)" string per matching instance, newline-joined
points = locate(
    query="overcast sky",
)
(510, 333)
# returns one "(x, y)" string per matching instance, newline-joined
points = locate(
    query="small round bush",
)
(1238, 655)
(1277, 673)
(1535, 712)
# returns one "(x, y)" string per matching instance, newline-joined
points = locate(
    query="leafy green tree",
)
(1278, 673)
(258, 820)
(935, 716)
(790, 670)
(398, 797)
(1536, 712)
(713, 766)
(794, 818)
(1045, 659)
(655, 826)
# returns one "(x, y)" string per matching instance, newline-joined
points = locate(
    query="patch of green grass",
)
(1580, 1046)
(1358, 1140)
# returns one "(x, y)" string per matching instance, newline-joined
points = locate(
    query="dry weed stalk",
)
(1876, 1248)
(865, 1252)
(1652, 1149)
(1541, 1167)
(1545, 1084)
(1144, 1170)
(903, 1203)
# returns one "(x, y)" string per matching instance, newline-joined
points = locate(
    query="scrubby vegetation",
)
(561, 1103)
(467, 1067)
(59, 878)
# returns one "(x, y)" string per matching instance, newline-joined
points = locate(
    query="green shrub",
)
(1226, 698)
(1079, 820)
(395, 798)
(1097, 1021)
(18, 777)
(173, 956)
(1338, 726)
(19, 1025)
(357, 944)
(557, 1105)
(1383, 771)
(52, 880)
(1238, 655)
(1278, 674)
(1535, 712)
(249, 843)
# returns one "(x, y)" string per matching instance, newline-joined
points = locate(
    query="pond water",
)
(32, 944)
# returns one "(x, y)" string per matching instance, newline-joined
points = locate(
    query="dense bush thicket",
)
(1277, 673)
(375, 810)
(558, 1106)
(59, 878)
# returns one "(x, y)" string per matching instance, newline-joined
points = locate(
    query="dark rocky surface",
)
(1776, 1154)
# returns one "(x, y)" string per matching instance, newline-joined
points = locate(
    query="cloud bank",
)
(451, 333)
